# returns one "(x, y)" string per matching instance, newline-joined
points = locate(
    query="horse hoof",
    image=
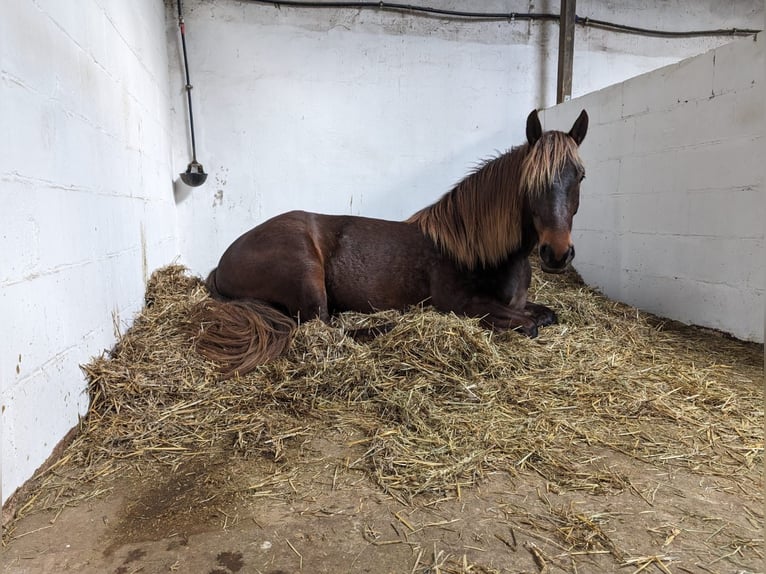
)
(541, 315)
(546, 319)
(528, 330)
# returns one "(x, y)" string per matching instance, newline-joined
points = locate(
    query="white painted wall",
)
(672, 214)
(87, 199)
(379, 113)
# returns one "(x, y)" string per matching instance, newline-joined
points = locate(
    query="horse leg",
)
(514, 321)
(312, 296)
(504, 306)
(540, 314)
(313, 305)
(519, 280)
(367, 334)
(499, 317)
(498, 300)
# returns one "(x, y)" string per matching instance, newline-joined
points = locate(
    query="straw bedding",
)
(438, 400)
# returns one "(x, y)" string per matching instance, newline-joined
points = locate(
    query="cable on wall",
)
(507, 16)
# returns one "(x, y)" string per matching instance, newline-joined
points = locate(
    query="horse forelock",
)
(546, 159)
(479, 222)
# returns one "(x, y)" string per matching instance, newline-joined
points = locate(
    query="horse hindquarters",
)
(269, 277)
(279, 262)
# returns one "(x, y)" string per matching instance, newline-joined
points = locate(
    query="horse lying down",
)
(468, 253)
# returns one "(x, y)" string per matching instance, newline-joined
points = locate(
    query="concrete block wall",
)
(87, 199)
(672, 213)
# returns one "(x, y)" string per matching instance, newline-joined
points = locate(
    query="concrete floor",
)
(224, 517)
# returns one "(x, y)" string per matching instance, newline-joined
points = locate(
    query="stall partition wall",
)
(672, 212)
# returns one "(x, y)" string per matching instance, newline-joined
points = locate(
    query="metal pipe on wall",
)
(195, 175)
(566, 50)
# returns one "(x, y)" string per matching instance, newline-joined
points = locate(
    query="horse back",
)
(342, 262)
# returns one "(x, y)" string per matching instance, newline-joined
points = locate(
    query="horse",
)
(468, 253)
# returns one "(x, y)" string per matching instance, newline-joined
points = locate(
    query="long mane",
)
(479, 222)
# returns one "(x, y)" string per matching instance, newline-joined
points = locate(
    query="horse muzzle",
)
(553, 263)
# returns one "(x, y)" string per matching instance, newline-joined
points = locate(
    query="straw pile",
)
(439, 400)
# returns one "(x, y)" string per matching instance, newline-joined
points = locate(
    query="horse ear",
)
(580, 128)
(534, 129)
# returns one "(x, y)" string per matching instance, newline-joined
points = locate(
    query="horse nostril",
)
(570, 253)
(546, 252)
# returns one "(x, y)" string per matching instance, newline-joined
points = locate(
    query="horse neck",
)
(480, 221)
(529, 237)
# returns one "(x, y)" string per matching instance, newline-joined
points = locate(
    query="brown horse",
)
(467, 253)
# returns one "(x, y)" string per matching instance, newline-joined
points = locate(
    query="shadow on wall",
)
(181, 191)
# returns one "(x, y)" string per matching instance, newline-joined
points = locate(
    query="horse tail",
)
(239, 334)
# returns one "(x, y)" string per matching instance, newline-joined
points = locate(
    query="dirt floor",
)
(223, 517)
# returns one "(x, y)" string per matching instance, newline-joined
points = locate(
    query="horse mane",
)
(479, 222)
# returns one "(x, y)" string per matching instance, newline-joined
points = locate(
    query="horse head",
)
(552, 173)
